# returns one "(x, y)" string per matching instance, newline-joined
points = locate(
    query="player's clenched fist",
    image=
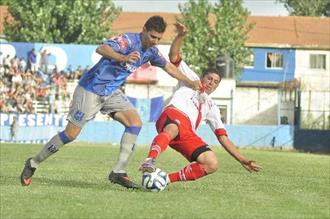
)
(181, 29)
(132, 57)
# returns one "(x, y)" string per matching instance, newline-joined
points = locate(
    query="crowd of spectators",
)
(25, 81)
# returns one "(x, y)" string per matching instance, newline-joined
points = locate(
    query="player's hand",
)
(132, 57)
(196, 85)
(181, 29)
(251, 166)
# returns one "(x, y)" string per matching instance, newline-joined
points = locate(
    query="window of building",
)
(317, 61)
(274, 60)
(250, 61)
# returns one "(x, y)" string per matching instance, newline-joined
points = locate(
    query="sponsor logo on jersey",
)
(122, 42)
(129, 67)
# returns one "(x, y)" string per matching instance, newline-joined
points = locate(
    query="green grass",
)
(73, 184)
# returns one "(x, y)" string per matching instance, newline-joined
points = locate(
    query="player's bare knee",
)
(212, 166)
(171, 129)
(138, 123)
(72, 136)
(72, 132)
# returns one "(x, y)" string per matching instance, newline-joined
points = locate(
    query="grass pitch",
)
(73, 184)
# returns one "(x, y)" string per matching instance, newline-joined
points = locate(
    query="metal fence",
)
(314, 107)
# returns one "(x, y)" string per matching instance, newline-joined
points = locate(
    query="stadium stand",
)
(23, 90)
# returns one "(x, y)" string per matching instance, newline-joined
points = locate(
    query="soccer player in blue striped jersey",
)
(99, 90)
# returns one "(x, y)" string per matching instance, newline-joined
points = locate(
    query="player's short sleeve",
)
(156, 58)
(186, 70)
(213, 119)
(120, 44)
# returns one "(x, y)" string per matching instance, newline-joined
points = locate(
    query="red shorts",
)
(187, 142)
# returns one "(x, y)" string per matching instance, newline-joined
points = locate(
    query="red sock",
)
(191, 172)
(159, 144)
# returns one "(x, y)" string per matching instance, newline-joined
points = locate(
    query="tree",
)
(307, 8)
(58, 21)
(224, 35)
(230, 32)
(195, 17)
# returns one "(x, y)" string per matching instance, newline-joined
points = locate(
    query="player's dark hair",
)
(210, 71)
(156, 23)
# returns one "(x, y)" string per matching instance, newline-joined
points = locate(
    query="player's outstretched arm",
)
(177, 42)
(176, 73)
(249, 165)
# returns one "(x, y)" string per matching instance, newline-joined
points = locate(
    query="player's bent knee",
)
(72, 136)
(209, 161)
(212, 166)
(131, 118)
(71, 133)
(138, 124)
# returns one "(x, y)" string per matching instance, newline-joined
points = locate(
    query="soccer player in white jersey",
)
(177, 124)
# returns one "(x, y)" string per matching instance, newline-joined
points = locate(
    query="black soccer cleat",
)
(123, 180)
(27, 173)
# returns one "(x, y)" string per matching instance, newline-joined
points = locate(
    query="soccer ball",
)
(155, 181)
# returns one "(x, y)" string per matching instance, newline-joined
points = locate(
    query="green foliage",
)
(73, 184)
(4, 2)
(58, 21)
(230, 32)
(196, 44)
(307, 8)
(207, 41)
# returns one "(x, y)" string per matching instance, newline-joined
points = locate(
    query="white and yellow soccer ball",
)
(155, 181)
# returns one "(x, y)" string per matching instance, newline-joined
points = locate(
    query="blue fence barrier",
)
(40, 128)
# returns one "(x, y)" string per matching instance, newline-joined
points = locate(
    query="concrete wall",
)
(254, 106)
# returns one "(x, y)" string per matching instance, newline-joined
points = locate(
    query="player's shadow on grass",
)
(104, 184)
(69, 183)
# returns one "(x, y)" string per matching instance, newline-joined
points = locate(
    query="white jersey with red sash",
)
(196, 106)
